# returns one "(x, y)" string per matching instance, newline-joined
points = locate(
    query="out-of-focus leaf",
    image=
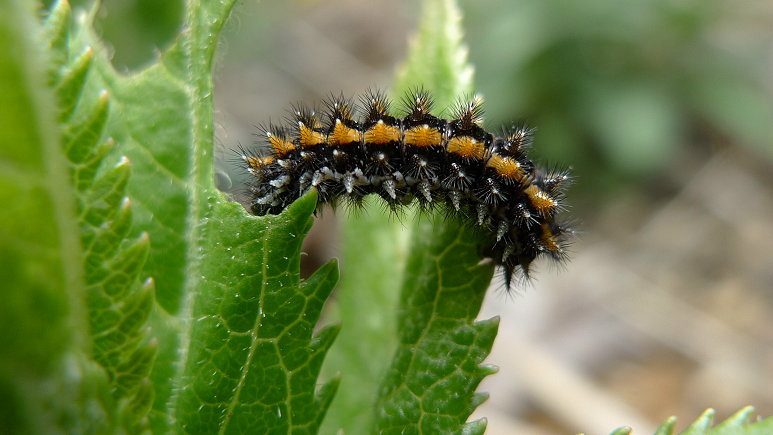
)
(431, 381)
(374, 242)
(47, 382)
(117, 301)
(740, 423)
(233, 321)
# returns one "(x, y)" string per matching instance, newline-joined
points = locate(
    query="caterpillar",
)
(454, 164)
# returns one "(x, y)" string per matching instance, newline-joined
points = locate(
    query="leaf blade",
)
(118, 303)
(375, 242)
(444, 283)
(436, 369)
(262, 327)
(162, 120)
(47, 383)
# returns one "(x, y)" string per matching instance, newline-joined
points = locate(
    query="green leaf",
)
(667, 427)
(702, 424)
(739, 423)
(118, 303)
(374, 242)
(438, 57)
(252, 355)
(373, 249)
(233, 321)
(439, 345)
(430, 384)
(47, 383)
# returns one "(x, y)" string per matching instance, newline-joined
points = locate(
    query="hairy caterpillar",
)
(485, 179)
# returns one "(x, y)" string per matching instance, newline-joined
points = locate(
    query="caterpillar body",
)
(485, 179)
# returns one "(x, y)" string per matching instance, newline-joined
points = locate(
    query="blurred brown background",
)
(663, 109)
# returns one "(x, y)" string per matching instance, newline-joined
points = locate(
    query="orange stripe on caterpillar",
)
(281, 146)
(342, 135)
(506, 167)
(308, 137)
(541, 201)
(423, 136)
(381, 134)
(466, 146)
(548, 240)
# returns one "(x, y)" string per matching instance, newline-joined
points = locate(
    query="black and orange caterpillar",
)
(475, 175)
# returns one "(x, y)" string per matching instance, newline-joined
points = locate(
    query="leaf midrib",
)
(255, 334)
(193, 219)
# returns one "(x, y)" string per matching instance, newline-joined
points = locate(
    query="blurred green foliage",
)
(620, 89)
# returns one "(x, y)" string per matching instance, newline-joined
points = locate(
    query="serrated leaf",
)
(56, 30)
(233, 321)
(46, 383)
(431, 383)
(86, 171)
(374, 242)
(667, 427)
(161, 119)
(430, 386)
(252, 365)
(702, 424)
(101, 201)
(476, 427)
(739, 423)
(81, 136)
(735, 422)
(438, 57)
(118, 304)
(69, 87)
(743, 422)
(373, 249)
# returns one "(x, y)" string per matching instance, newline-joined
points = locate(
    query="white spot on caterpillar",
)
(482, 213)
(502, 230)
(316, 178)
(349, 183)
(424, 188)
(456, 199)
(389, 187)
(280, 182)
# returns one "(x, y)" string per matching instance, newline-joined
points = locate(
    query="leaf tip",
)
(475, 427)
(304, 205)
(667, 427)
(325, 337)
(738, 419)
(488, 369)
(704, 422)
(123, 161)
(149, 284)
(323, 279)
(325, 395)
(478, 399)
(488, 328)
